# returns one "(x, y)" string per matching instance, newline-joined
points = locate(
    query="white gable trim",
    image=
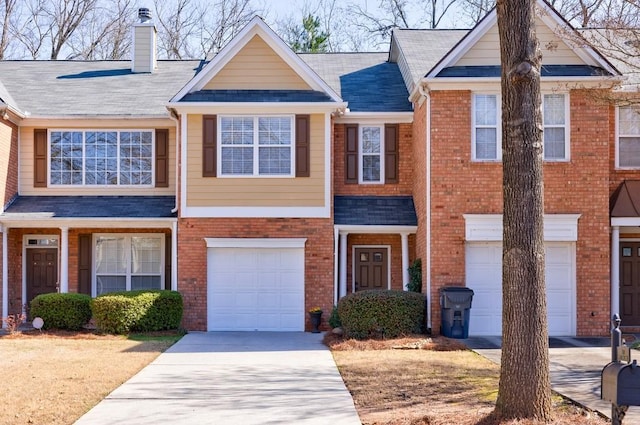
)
(488, 227)
(548, 15)
(257, 27)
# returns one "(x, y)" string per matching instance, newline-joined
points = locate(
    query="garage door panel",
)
(255, 289)
(484, 276)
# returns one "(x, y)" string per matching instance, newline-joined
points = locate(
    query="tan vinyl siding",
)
(257, 67)
(27, 160)
(554, 51)
(255, 191)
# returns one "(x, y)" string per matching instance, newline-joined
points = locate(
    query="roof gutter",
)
(5, 109)
(176, 119)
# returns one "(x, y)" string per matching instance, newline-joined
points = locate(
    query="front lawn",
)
(54, 378)
(411, 382)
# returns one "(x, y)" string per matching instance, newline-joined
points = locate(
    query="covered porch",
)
(374, 242)
(86, 244)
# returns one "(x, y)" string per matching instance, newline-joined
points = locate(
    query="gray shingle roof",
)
(365, 80)
(256, 96)
(92, 206)
(423, 49)
(80, 88)
(374, 210)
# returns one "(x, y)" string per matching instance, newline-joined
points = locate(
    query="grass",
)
(415, 381)
(54, 378)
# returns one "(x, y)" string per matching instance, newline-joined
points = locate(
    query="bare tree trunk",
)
(525, 388)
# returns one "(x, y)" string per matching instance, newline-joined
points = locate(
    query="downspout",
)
(425, 92)
(175, 118)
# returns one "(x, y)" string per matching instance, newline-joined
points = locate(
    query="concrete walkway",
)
(575, 365)
(233, 378)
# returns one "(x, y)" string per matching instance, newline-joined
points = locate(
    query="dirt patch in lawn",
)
(55, 377)
(428, 381)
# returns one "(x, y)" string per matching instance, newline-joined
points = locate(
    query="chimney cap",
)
(144, 14)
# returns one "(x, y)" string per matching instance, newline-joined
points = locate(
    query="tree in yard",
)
(525, 389)
(7, 7)
(309, 37)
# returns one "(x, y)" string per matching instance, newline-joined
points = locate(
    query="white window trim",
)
(255, 146)
(127, 236)
(617, 142)
(498, 127)
(361, 153)
(90, 130)
(567, 128)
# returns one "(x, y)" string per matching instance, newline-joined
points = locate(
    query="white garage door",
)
(484, 276)
(255, 289)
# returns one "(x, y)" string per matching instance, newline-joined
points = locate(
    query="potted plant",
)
(315, 314)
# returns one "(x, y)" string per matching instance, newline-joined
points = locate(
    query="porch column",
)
(174, 256)
(64, 260)
(404, 237)
(615, 270)
(343, 264)
(5, 274)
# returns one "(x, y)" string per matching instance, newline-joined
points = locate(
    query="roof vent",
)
(144, 14)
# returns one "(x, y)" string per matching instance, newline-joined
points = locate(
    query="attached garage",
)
(483, 270)
(255, 284)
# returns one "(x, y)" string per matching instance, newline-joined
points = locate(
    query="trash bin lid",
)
(457, 294)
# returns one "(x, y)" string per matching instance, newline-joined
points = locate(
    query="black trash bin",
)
(455, 303)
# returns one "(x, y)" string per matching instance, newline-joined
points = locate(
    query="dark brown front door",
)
(630, 283)
(372, 268)
(42, 271)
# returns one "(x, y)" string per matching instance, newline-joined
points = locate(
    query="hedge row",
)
(115, 312)
(381, 314)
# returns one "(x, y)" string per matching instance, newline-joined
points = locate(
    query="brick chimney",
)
(144, 43)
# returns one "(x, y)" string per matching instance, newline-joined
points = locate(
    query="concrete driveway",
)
(575, 365)
(233, 378)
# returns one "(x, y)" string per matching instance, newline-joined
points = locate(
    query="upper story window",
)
(371, 154)
(554, 116)
(95, 157)
(487, 127)
(256, 146)
(628, 143)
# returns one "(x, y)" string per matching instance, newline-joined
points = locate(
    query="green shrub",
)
(62, 311)
(386, 314)
(334, 319)
(415, 276)
(141, 311)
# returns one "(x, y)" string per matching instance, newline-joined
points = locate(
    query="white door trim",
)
(26, 246)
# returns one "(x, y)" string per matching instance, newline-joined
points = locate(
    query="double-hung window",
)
(371, 154)
(101, 157)
(486, 127)
(628, 155)
(256, 146)
(126, 262)
(554, 115)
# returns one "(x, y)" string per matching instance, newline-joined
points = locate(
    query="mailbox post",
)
(620, 379)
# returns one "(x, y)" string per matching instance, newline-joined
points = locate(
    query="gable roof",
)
(366, 81)
(256, 27)
(410, 45)
(548, 15)
(93, 88)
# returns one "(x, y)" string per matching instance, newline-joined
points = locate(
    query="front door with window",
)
(371, 268)
(42, 271)
(630, 283)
